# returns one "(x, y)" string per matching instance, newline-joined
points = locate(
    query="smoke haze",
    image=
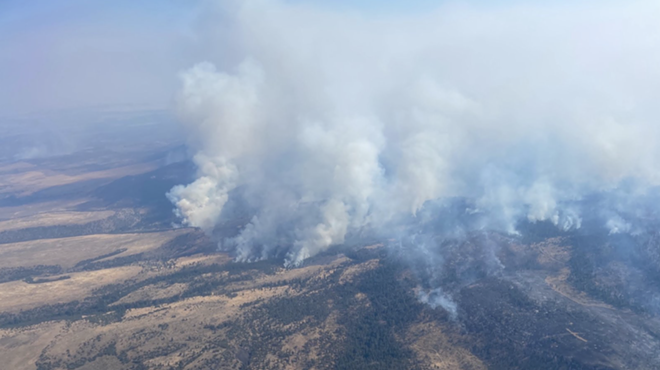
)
(332, 124)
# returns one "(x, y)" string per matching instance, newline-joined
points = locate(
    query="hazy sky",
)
(75, 53)
(85, 53)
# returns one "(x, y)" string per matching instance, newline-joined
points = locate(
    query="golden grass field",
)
(53, 218)
(22, 179)
(18, 295)
(66, 252)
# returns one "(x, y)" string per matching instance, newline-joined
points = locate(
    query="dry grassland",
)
(66, 252)
(35, 209)
(435, 349)
(169, 334)
(32, 180)
(20, 348)
(19, 295)
(53, 219)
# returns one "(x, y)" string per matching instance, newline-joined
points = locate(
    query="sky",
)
(68, 54)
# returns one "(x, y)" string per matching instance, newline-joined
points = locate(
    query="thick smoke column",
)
(334, 123)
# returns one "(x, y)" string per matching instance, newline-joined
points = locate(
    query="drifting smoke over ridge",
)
(333, 123)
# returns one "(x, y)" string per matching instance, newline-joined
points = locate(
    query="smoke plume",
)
(330, 124)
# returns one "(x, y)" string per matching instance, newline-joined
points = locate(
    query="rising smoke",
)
(334, 123)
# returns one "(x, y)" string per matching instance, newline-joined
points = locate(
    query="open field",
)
(44, 210)
(67, 252)
(27, 182)
(19, 295)
(53, 218)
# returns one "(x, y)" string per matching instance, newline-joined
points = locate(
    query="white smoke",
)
(335, 122)
(618, 225)
(437, 298)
